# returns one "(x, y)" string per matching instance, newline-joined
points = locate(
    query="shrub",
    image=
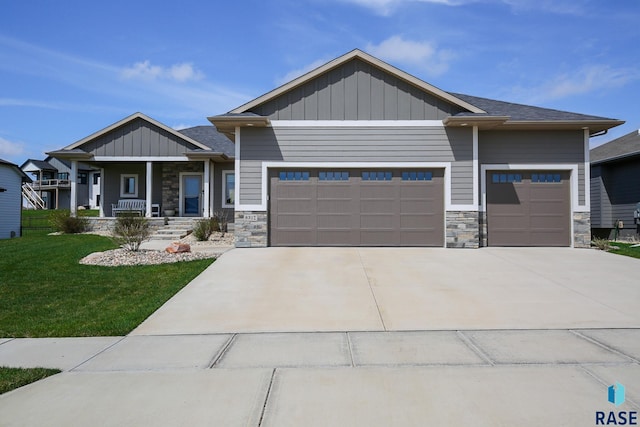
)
(130, 231)
(61, 220)
(204, 228)
(602, 244)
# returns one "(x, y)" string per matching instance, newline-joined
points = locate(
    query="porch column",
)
(102, 213)
(206, 189)
(149, 188)
(74, 192)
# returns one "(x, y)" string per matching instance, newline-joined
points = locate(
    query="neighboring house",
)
(615, 185)
(360, 153)
(184, 173)
(11, 179)
(52, 184)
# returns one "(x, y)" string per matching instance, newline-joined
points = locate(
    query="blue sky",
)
(70, 68)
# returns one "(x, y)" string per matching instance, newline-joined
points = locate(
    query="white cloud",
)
(423, 54)
(588, 79)
(293, 74)
(146, 71)
(387, 7)
(10, 149)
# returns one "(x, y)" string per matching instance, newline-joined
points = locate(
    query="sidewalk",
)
(489, 377)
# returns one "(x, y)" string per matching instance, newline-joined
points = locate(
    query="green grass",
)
(625, 249)
(44, 292)
(12, 378)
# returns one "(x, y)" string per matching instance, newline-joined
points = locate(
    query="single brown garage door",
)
(528, 208)
(354, 207)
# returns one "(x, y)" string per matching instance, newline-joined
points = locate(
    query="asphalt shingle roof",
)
(209, 136)
(40, 164)
(625, 146)
(521, 112)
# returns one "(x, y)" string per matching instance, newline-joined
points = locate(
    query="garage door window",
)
(416, 176)
(333, 176)
(506, 178)
(546, 177)
(294, 176)
(377, 176)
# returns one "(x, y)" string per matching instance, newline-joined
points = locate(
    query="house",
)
(11, 180)
(185, 173)
(615, 185)
(360, 153)
(51, 184)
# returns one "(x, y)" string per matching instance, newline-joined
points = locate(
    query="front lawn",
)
(625, 249)
(12, 378)
(44, 292)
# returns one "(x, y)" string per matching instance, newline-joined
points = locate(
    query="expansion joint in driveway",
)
(216, 358)
(266, 398)
(384, 327)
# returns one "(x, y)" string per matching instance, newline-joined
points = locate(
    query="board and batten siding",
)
(356, 144)
(356, 91)
(10, 201)
(600, 204)
(137, 139)
(534, 147)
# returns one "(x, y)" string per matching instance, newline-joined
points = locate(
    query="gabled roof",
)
(126, 120)
(357, 54)
(626, 146)
(40, 164)
(24, 176)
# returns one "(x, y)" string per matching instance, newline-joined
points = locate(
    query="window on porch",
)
(228, 189)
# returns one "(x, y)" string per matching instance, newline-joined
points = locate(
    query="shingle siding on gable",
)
(533, 147)
(356, 91)
(340, 144)
(137, 139)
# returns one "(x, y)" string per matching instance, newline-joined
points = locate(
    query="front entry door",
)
(191, 200)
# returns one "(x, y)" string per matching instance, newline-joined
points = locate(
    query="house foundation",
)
(250, 229)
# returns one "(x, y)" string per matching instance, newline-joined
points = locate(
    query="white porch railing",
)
(32, 197)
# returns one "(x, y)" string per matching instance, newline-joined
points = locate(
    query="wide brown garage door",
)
(528, 208)
(355, 207)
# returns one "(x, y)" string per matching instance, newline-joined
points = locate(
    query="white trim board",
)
(356, 123)
(355, 165)
(140, 159)
(573, 168)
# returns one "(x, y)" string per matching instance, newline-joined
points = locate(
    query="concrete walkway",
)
(481, 378)
(357, 337)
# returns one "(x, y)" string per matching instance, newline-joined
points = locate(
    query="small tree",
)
(222, 219)
(130, 231)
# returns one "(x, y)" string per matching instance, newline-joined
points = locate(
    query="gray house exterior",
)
(51, 182)
(615, 185)
(360, 153)
(11, 179)
(173, 173)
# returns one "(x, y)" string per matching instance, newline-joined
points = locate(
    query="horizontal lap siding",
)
(530, 147)
(10, 201)
(340, 144)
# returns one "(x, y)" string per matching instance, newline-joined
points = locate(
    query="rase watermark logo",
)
(616, 396)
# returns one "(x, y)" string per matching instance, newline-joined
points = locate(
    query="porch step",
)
(175, 229)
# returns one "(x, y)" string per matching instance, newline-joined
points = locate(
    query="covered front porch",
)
(153, 170)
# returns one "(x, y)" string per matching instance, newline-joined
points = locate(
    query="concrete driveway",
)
(395, 289)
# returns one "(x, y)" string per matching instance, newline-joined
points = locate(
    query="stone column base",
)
(463, 230)
(581, 229)
(250, 229)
